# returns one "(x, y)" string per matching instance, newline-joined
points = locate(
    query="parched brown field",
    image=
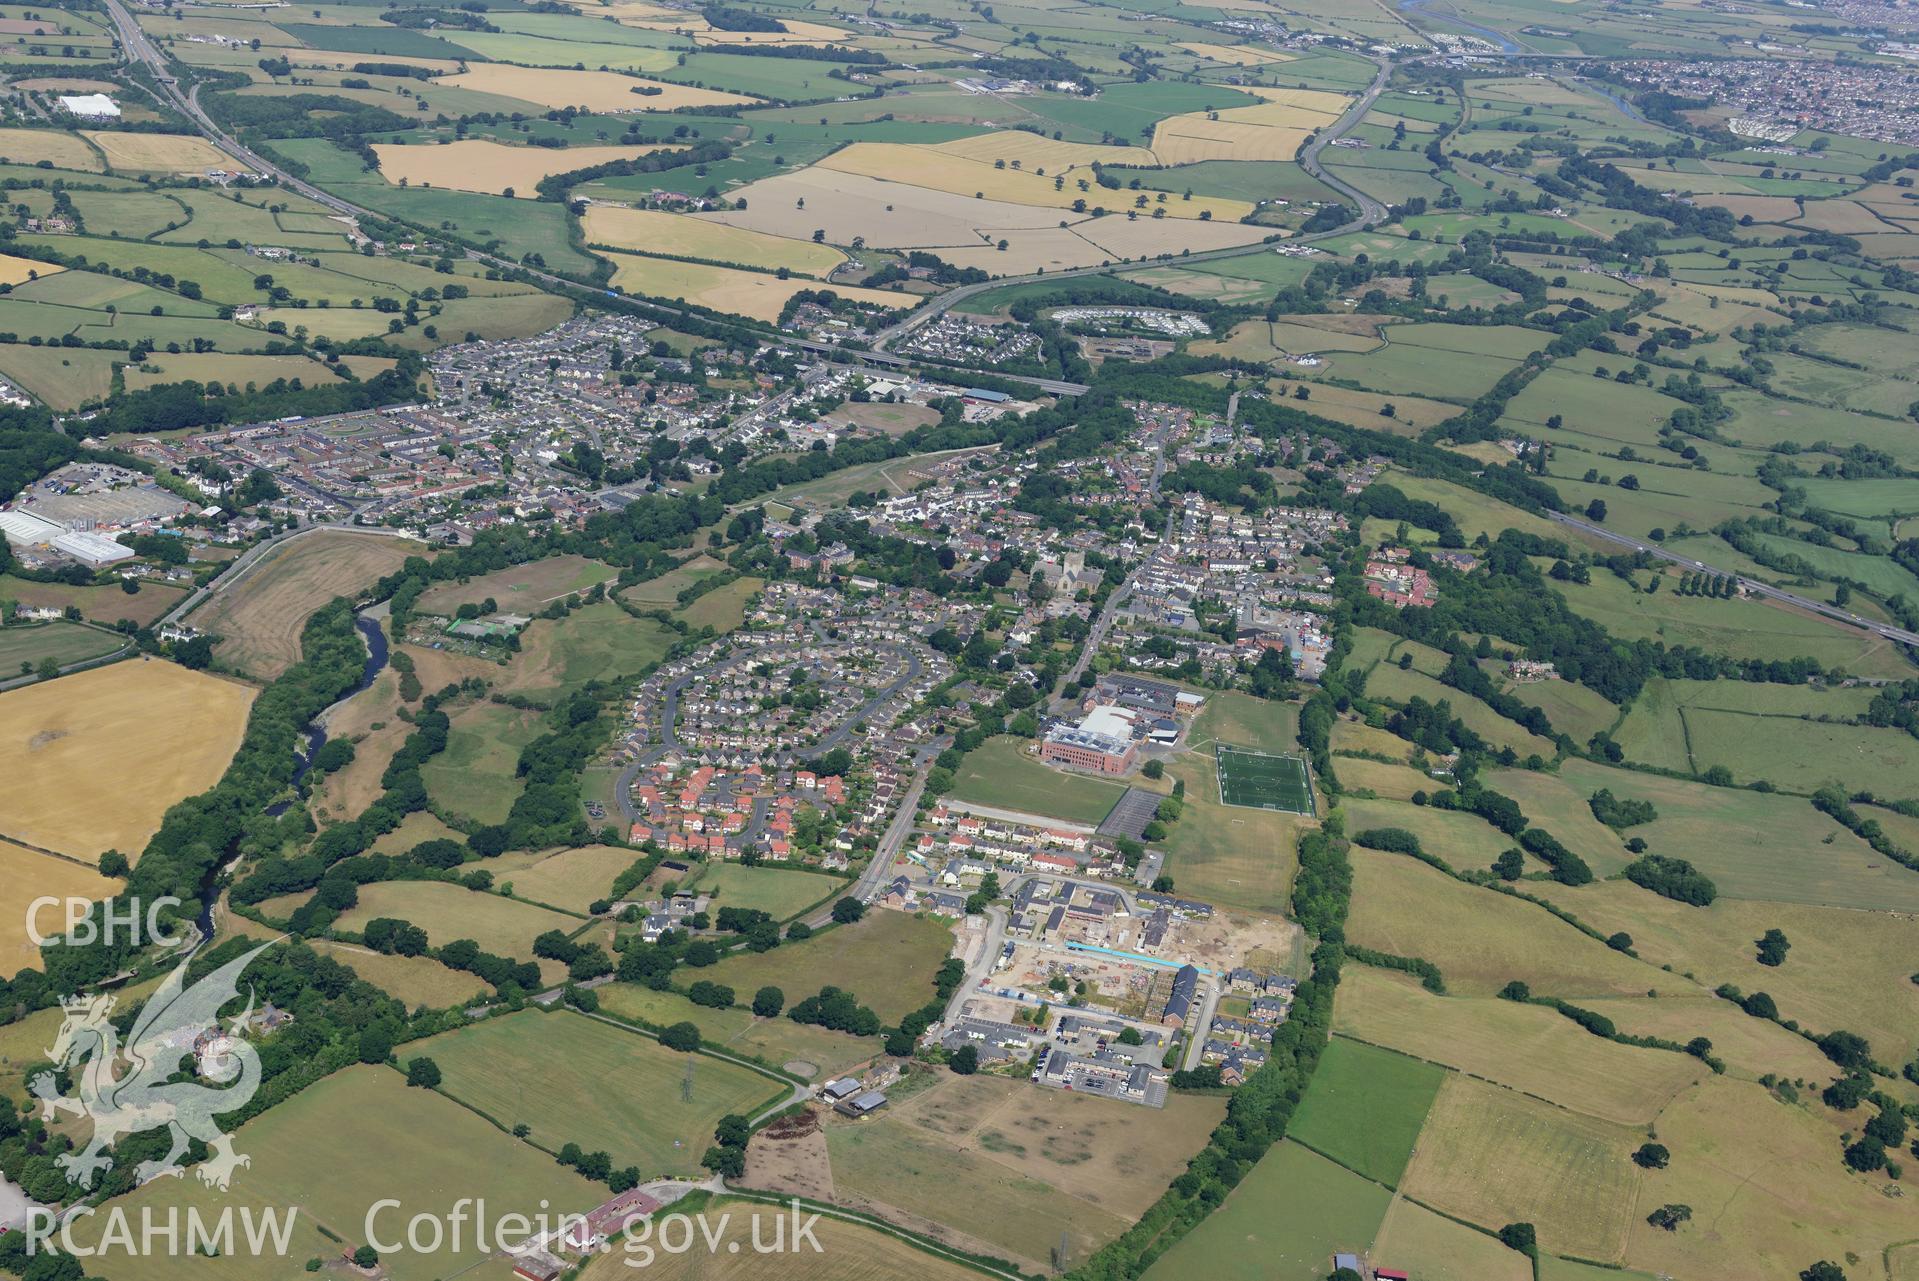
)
(63, 150)
(1273, 130)
(493, 168)
(224, 367)
(1238, 55)
(889, 215)
(259, 617)
(26, 875)
(654, 231)
(595, 90)
(1767, 1189)
(1750, 1047)
(92, 761)
(1495, 1156)
(1527, 1047)
(519, 589)
(1036, 154)
(1035, 1164)
(158, 152)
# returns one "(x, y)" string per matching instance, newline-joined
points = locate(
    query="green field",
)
(999, 773)
(28, 645)
(783, 893)
(1365, 1108)
(1284, 1222)
(621, 1092)
(475, 777)
(812, 1052)
(1254, 780)
(363, 1130)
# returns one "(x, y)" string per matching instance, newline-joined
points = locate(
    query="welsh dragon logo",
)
(177, 1022)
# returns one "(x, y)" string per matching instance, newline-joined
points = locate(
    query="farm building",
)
(864, 1104)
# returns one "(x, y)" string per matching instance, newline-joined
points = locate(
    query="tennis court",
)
(1257, 780)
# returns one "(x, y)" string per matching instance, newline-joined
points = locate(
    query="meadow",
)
(815, 1053)
(476, 777)
(570, 879)
(362, 1126)
(782, 893)
(94, 760)
(26, 645)
(886, 959)
(1527, 1048)
(521, 589)
(447, 912)
(1494, 1155)
(501, 1067)
(1445, 1249)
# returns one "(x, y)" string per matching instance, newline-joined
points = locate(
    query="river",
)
(1499, 39)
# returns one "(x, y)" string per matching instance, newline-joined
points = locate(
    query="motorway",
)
(1832, 613)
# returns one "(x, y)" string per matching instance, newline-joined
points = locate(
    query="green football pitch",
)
(1256, 780)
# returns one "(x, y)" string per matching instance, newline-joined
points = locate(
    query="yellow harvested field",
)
(796, 32)
(15, 271)
(64, 150)
(658, 232)
(1144, 236)
(1041, 155)
(492, 168)
(941, 170)
(1237, 55)
(740, 293)
(594, 90)
(1759, 208)
(1526, 1047)
(26, 875)
(93, 761)
(159, 152)
(1273, 130)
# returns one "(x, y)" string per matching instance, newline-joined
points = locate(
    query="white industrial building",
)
(91, 549)
(90, 106)
(24, 529)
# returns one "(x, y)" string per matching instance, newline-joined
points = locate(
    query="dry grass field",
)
(653, 231)
(1034, 1163)
(742, 293)
(26, 875)
(1273, 130)
(570, 878)
(447, 912)
(225, 368)
(940, 169)
(370, 720)
(61, 149)
(1848, 969)
(1750, 1047)
(415, 980)
(604, 91)
(1238, 55)
(1036, 154)
(888, 215)
(1493, 1155)
(492, 168)
(17, 271)
(848, 1252)
(1442, 1249)
(1482, 939)
(1766, 1187)
(1527, 1047)
(158, 152)
(259, 617)
(92, 761)
(519, 589)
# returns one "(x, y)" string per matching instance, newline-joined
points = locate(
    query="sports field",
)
(1261, 781)
(92, 761)
(621, 1092)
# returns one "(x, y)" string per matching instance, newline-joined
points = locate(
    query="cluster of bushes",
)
(1618, 814)
(1672, 878)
